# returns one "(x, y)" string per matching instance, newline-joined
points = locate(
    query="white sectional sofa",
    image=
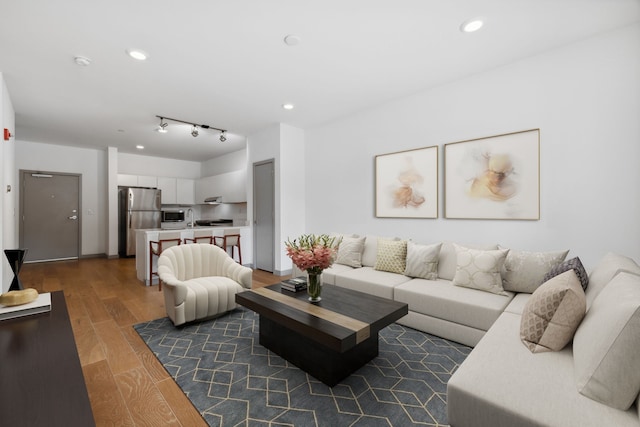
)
(502, 383)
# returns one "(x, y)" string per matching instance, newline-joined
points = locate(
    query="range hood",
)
(216, 200)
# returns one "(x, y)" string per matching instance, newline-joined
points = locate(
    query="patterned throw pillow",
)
(422, 260)
(391, 256)
(552, 314)
(573, 264)
(478, 269)
(350, 251)
(524, 271)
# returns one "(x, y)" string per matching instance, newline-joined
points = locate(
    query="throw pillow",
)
(552, 314)
(422, 260)
(606, 348)
(480, 269)
(350, 251)
(573, 264)
(391, 256)
(524, 271)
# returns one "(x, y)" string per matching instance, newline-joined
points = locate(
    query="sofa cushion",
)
(392, 256)
(553, 313)
(572, 264)
(441, 299)
(448, 258)
(478, 269)
(605, 270)
(501, 383)
(606, 346)
(350, 251)
(329, 274)
(422, 260)
(524, 271)
(370, 281)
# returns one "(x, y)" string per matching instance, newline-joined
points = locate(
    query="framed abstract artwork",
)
(496, 177)
(407, 184)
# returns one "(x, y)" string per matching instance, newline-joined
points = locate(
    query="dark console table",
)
(41, 381)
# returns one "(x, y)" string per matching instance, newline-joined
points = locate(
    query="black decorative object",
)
(15, 258)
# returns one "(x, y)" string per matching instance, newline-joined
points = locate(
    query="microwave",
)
(176, 215)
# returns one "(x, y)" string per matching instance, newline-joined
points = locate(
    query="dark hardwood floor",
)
(127, 385)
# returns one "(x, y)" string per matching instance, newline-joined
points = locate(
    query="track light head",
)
(162, 127)
(222, 137)
(194, 131)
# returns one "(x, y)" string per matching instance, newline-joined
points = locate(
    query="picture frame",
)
(496, 177)
(406, 184)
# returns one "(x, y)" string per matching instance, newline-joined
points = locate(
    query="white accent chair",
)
(201, 281)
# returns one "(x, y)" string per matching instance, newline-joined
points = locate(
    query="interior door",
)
(263, 218)
(50, 216)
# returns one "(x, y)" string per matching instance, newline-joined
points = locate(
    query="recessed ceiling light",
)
(287, 106)
(137, 54)
(82, 61)
(292, 40)
(471, 25)
(140, 147)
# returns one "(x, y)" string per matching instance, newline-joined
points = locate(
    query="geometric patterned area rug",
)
(233, 381)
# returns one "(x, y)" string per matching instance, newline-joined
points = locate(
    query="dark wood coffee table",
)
(330, 339)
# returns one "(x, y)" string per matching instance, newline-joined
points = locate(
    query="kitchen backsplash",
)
(234, 211)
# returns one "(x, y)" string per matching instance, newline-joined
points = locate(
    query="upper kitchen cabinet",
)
(125, 180)
(186, 191)
(231, 186)
(177, 191)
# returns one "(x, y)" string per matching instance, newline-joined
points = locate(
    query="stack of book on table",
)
(294, 285)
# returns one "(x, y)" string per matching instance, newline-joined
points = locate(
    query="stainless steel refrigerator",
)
(138, 208)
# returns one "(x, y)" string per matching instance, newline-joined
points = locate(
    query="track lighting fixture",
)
(162, 127)
(194, 130)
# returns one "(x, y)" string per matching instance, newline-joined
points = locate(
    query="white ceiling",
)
(224, 63)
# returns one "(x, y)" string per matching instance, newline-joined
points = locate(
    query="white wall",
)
(136, 164)
(285, 145)
(8, 235)
(230, 162)
(89, 163)
(585, 98)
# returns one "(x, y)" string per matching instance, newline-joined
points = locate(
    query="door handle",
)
(73, 217)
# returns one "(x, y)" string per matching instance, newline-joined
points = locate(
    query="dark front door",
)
(50, 216)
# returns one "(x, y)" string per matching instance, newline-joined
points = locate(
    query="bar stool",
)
(231, 238)
(156, 248)
(200, 236)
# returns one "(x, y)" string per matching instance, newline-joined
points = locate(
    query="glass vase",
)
(314, 286)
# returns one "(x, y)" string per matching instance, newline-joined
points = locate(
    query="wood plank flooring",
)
(127, 385)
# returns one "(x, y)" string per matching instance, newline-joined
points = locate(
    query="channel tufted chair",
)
(201, 281)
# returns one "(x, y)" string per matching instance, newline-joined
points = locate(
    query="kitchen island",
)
(143, 237)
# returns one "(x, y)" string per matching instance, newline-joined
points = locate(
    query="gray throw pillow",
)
(573, 264)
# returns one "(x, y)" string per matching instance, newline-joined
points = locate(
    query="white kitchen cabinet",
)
(169, 191)
(125, 180)
(231, 186)
(206, 187)
(147, 181)
(185, 189)
(234, 186)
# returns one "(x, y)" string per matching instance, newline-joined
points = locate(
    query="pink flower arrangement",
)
(312, 253)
